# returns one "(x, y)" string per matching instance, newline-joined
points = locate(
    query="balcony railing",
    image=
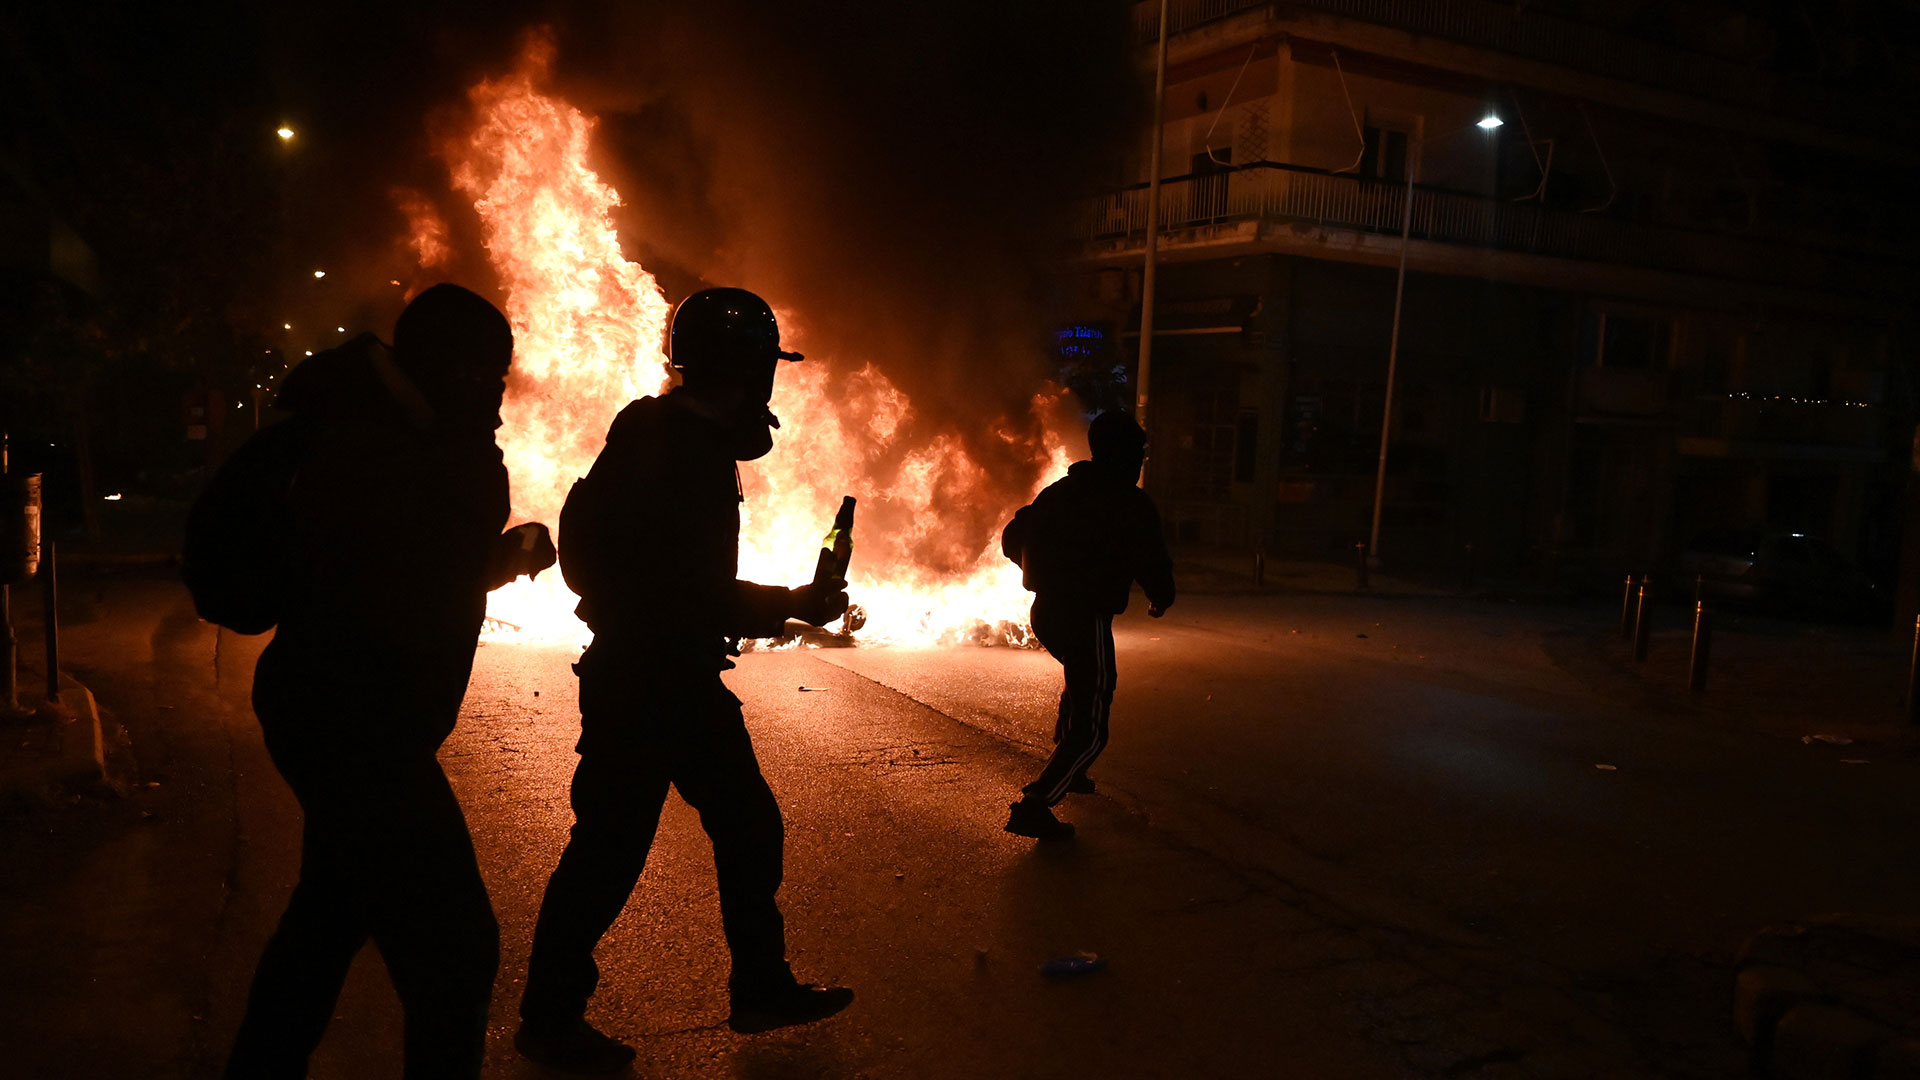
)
(1500, 27)
(1287, 194)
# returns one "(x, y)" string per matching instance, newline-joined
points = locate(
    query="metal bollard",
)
(1259, 569)
(1626, 609)
(1913, 677)
(1360, 565)
(9, 650)
(1642, 623)
(50, 592)
(1702, 647)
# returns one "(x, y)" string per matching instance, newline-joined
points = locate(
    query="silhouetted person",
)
(650, 541)
(1082, 543)
(397, 512)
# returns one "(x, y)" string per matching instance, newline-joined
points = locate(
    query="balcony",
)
(1501, 28)
(1261, 204)
(1783, 419)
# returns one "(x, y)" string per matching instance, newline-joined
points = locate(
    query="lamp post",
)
(1153, 230)
(1486, 124)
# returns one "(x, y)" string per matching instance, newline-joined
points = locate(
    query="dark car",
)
(1782, 572)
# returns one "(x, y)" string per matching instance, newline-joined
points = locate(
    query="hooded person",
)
(396, 507)
(650, 542)
(1081, 545)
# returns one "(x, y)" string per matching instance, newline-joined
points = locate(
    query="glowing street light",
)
(285, 133)
(1486, 124)
(318, 274)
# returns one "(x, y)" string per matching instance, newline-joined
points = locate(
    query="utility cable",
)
(1613, 189)
(1359, 130)
(1207, 139)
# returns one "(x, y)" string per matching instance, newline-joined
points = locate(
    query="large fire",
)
(589, 327)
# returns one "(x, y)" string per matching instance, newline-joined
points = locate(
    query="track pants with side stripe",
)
(1081, 638)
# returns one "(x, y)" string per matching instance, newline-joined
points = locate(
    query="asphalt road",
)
(1313, 854)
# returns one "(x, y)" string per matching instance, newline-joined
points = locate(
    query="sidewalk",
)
(1766, 675)
(49, 749)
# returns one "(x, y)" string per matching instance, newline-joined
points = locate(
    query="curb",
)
(1832, 999)
(59, 748)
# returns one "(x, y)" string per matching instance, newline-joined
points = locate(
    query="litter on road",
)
(1080, 963)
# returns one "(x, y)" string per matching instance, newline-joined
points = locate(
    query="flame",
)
(589, 327)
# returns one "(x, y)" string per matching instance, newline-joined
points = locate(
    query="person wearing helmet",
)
(650, 542)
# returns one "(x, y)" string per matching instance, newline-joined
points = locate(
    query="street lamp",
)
(285, 133)
(1487, 124)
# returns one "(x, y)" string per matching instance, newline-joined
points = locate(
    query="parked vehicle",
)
(1781, 572)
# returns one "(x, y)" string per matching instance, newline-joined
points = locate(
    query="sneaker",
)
(1035, 820)
(1080, 785)
(574, 1047)
(801, 1003)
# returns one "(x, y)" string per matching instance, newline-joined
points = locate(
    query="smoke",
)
(897, 179)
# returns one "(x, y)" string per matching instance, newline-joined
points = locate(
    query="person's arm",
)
(1153, 565)
(763, 610)
(1013, 538)
(524, 549)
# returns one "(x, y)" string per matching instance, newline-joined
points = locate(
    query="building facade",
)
(1664, 294)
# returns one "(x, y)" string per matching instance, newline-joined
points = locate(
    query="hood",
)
(1094, 472)
(355, 382)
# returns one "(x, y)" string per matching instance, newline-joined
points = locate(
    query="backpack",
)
(583, 536)
(236, 556)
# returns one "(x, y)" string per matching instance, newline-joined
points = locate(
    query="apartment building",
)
(1657, 268)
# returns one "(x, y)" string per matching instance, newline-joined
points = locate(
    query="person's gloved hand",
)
(820, 603)
(523, 549)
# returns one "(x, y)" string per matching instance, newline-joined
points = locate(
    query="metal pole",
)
(1153, 230)
(1626, 609)
(9, 684)
(1702, 647)
(1913, 677)
(1393, 361)
(1642, 623)
(50, 592)
(9, 681)
(1259, 569)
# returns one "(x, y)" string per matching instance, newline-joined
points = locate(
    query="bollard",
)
(1626, 609)
(1259, 569)
(1360, 565)
(1702, 647)
(1642, 622)
(50, 593)
(1913, 676)
(9, 649)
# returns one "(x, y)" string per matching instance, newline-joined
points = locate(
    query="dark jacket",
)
(1087, 538)
(655, 552)
(394, 523)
